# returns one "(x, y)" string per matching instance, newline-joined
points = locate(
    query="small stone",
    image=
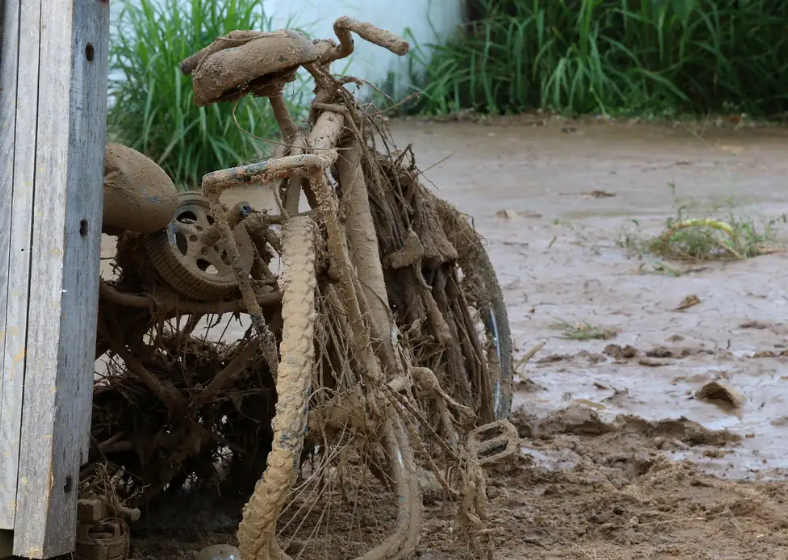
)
(219, 552)
(508, 214)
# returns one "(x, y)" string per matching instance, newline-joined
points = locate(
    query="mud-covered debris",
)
(553, 358)
(679, 352)
(525, 423)
(689, 301)
(618, 353)
(617, 396)
(507, 214)
(770, 354)
(654, 362)
(721, 394)
(715, 453)
(661, 352)
(575, 419)
(680, 429)
(669, 444)
(591, 356)
(753, 325)
(528, 385)
(600, 194)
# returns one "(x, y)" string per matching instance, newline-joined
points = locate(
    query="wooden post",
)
(10, 384)
(53, 71)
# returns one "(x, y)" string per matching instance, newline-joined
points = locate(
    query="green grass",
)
(584, 331)
(611, 56)
(153, 110)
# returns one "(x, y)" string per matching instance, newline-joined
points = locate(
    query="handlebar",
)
(375, 35)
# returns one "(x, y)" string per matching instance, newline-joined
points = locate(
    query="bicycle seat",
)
(138, 195)
(260, 65)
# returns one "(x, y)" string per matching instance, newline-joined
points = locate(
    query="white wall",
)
(424, 19)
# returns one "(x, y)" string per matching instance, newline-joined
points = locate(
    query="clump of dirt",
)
(621, 496)
(626, 430)
(574, 419)
(618, 353)
(722, 395)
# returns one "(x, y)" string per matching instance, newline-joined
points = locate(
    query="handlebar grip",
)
(375, 35)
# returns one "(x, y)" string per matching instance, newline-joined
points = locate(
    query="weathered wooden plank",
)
(65, 265)
(19, 252)
(9, 429)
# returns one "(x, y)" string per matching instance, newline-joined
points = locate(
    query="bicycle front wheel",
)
(256, 534)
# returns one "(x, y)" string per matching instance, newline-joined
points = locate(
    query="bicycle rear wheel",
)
(482, 290)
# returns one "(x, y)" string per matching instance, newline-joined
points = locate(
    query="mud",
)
(138, 195)
(621, 460)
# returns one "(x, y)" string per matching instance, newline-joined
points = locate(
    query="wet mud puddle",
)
(554, 208)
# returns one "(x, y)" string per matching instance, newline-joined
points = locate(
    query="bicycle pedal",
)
(494, 443)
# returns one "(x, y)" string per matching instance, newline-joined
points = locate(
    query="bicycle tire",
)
(298, 282)
(480, 286)
(257, 531)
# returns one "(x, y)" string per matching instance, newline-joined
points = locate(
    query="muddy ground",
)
(620, 460)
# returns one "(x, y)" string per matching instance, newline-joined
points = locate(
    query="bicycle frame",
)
(308, 160)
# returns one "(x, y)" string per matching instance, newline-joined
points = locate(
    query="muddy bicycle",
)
(380, 344)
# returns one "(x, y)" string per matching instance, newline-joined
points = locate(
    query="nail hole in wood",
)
(83, 228)
(67, 486)
(89, 52)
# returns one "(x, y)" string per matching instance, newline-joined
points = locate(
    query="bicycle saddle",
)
(138, 195)
(260, 64)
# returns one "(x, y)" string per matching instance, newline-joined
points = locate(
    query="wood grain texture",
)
(9, 427)
(65, 258)
(21, 192)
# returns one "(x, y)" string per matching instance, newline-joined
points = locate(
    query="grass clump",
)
(704, 239)
(152, 108)
(692, 235)
(584, 331)
(612, 56)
